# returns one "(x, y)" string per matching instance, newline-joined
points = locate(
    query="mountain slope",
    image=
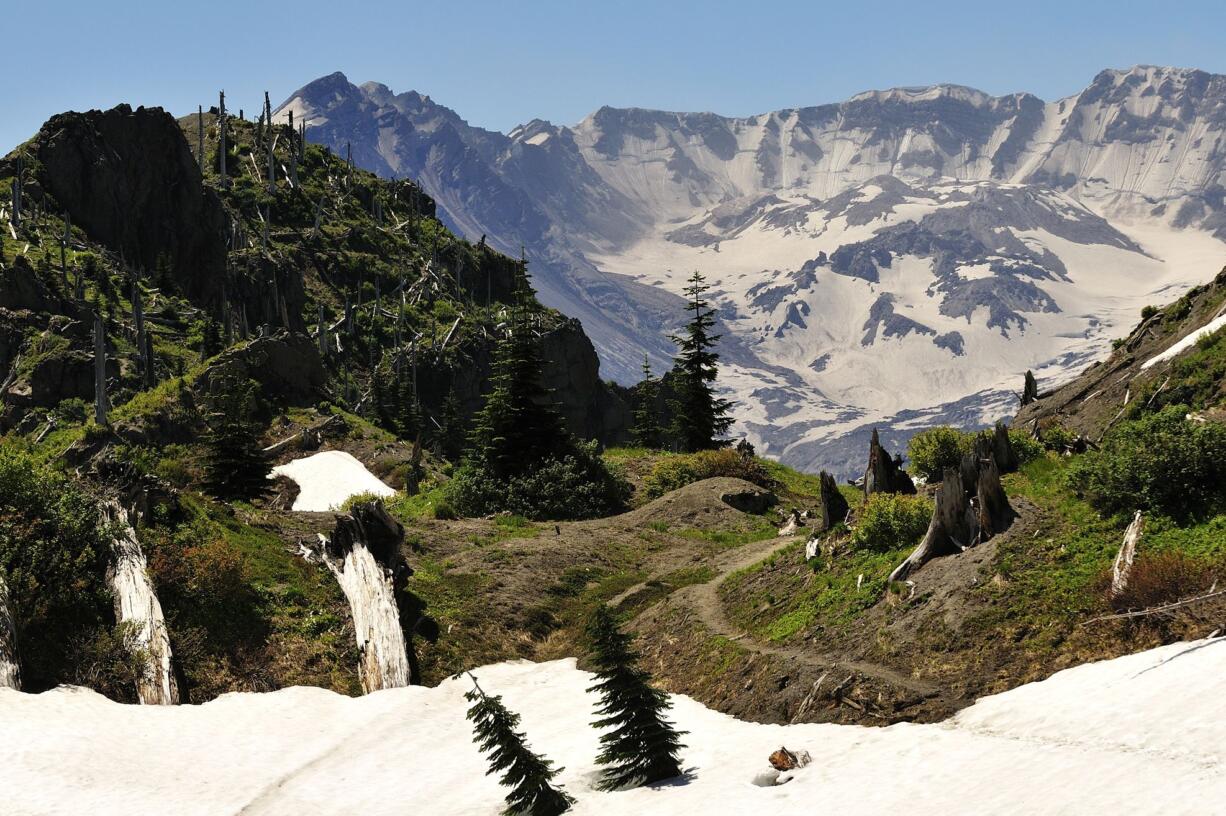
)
(897, 259)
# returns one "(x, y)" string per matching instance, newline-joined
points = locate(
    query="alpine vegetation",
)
(529, 775)
(641, 746)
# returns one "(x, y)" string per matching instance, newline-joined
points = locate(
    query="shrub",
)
(1057, 438)
(72, 411)
(1162, 463)
(1025, 448)
(1148, 311)
(890, 521)
(574, 486)
(1159, 578)
(675, 472)
(935, 449)
(54, 558)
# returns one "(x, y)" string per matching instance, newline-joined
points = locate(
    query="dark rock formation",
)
(885, 474)
(129, 179)
(750, 499)
(286, 365)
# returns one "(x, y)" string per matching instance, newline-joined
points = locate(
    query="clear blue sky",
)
(502, 63)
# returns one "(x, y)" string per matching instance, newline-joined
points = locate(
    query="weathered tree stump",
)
(1030, 389)
(971, 507)
(1122, 568)
(834, 506)
(884, 474)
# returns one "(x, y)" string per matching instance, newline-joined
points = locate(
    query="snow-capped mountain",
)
(895, 260)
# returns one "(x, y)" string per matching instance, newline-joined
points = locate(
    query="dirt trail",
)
(704, 601)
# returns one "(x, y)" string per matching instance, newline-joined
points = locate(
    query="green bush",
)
(1057, 438)
(1162, 463)
(575, 486)
(674, 472)
(890, 521)
(1025, 448)
(53, 558)
(935, 449)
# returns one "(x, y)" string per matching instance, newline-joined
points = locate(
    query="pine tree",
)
(646, 431)
(700, 418)
(642, 747)
(408, 418)
(519, 425)
(529, 775)
(235, 464)
(449, 442)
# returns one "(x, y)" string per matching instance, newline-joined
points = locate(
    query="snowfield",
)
(325, 480)
(1141, 734)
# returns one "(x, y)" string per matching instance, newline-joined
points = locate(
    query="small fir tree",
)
(529, 775)
(519, 426)
(700, 419)
(640, 746)
(449, 442)
(236, 466)
(646, 431)
(408, 421)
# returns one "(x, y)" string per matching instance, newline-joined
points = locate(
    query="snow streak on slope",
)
(137, 605)
(10, 674)
(1137, 735)
(966, 237)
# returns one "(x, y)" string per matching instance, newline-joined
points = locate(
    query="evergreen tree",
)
(211, 338)
(700, 418)
(641, 746)
(449, 442)
(235, 464)
(528, 775)
(646, 431)
(408, 420)
(518, 426)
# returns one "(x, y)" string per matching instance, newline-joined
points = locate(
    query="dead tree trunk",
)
(1121, 570)
(834, 506)
(971, 507)
(10, 665)
(101, 406)
(1002, 449)
(1030, 389)
(884, 474)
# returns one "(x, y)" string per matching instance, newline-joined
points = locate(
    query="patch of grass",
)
(727, 539)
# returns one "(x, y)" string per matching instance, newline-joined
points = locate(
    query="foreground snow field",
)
(325, 480)
(1141, 734)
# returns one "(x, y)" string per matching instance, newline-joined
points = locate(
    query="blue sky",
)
(502, 63)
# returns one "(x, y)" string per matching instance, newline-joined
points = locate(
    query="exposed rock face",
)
(749, 499)
(129, 179)
(286, 365)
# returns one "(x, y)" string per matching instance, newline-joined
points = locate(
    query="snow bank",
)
(1141, 734)
(1187, 342)
(325, 480)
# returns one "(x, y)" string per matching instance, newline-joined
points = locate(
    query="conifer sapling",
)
(640, 746)
(528, 775)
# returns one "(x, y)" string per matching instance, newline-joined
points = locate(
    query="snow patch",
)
(325, 480)
(1187, 342)
(1137, 735)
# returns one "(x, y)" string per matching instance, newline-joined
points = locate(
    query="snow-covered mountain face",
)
(896, 260)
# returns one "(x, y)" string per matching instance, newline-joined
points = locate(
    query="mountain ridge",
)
(614, 211)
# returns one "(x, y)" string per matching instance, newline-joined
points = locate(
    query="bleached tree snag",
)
(884, 474)
(1122, 568)
(1030, 389)
(834, 506)
(993, 511)
(101, 404)
(136, 604)
(947, 531)
(1002, 449)
(971, 507)
(10, 672)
